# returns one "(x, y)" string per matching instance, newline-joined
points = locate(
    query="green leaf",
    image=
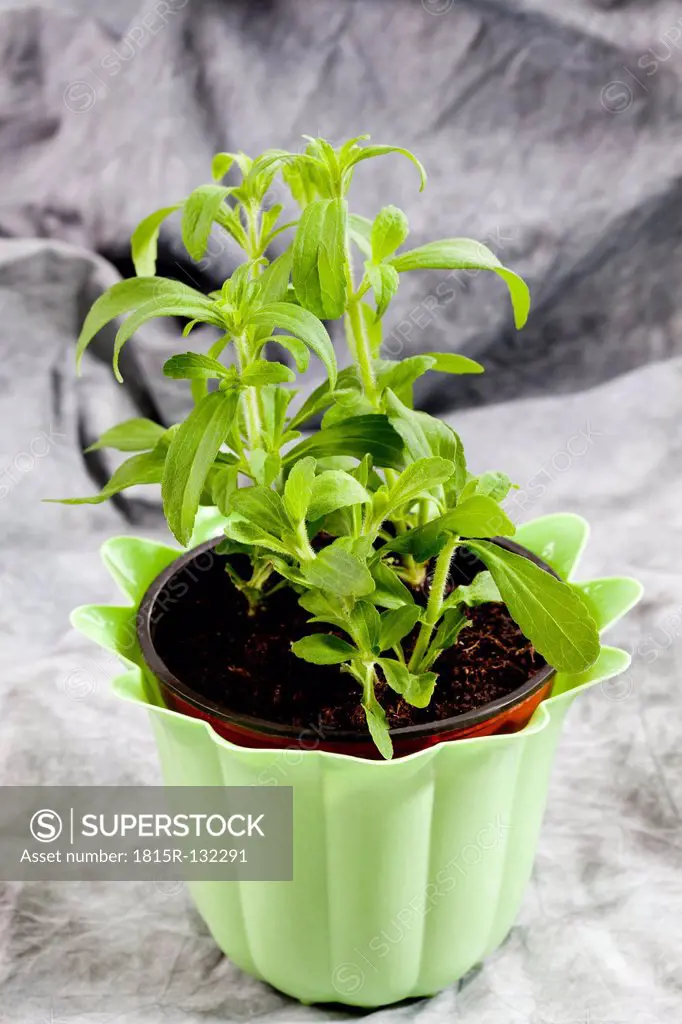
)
(274, 281)
(339, 571)
(384, 280)
(200, 212)
(262, 371)
(146, 468)
(493, 483)
(191, 455)
(264, 508)
(137, 435)
(301, 324)
(358, 436)
(419, 477)
(483, 590)
(453, 622)
(298, 490)
(399, 374)
(421, 689)
(366, 625)
(335, 489)
(221, 164)
(360, 231)
(323, 649)
(319, 271)
(450, 362)
(324, 395)
(265, 466)
(244, 532)
(200, 311)
(478, 516)
(396, 624)
(389, 231)
(131, 294)
(194, 366)
(466, 254)
(369, 152)
(417, 690)
(396, 675)
(549, 612)
(144, 240)
(224, 484)
(424, 435)
(378, 728)
(294, 346)
(390, 591)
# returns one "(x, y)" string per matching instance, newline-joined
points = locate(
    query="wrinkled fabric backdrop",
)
(553, 132)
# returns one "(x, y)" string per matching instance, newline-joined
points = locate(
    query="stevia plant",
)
(350, 516)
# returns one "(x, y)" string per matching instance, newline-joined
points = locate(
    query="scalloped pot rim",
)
(559, 539)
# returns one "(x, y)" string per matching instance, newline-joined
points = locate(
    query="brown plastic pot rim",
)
(292, 732)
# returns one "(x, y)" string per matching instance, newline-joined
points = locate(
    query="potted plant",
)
(349, 616)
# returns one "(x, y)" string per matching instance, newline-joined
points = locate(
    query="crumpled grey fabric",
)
(533, 145)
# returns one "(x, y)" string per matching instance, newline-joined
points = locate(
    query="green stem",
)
(434, 604)
(253, 420)
(362, 354)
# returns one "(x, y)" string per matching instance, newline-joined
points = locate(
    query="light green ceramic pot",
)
(406, 873)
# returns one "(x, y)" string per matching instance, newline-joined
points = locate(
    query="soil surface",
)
(203, 633)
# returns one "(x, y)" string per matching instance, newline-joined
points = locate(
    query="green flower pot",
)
(406, 873)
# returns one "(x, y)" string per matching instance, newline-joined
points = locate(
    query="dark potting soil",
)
(203, 633)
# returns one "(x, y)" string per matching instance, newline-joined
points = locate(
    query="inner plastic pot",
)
(506, 714)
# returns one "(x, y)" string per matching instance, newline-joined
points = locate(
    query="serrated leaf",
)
(264, 508)
(319, 270)
(244, 532)
(396, 624)
(136, 435)
(549, 612)
(302, 325)
(424, 435)
(298, 490)
(493, 484)
(378, 728)
(195, 366)
(466, 254)
(144, 240)
(390, 591)
(340, 572)
(200, 212)
(389, 230)
(482, 590)
(366, 626)
(262, 371)
(323, 649)
(146, 468)
(358, 436)
(191, 455)
(418, 478)
(334, 489)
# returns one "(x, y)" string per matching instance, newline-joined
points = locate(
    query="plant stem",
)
(253, 420)
(361, 351)
(434, 604)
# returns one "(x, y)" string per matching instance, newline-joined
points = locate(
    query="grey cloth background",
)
(551, 131)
